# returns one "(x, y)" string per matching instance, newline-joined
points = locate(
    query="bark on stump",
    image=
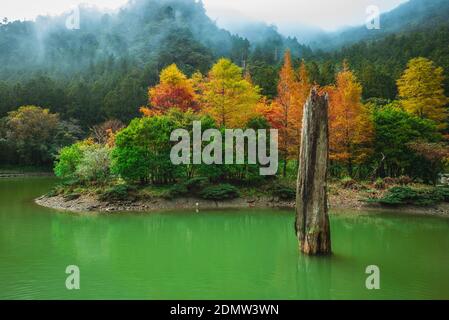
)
(312, 219)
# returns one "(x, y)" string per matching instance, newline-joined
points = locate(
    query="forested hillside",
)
(103, 69)
(156, 55)
(378, 64)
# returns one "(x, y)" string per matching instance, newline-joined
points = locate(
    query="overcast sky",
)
(326, 14)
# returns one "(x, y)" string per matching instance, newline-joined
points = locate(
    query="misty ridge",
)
(143, 30)
(163, 30)
(411, 16)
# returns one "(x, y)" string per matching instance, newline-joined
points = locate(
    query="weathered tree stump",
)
(312, 219)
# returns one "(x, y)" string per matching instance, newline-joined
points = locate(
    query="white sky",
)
(326, 14)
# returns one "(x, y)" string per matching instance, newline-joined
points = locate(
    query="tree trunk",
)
(312, 219)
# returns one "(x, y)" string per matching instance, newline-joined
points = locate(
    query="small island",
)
(346, 195)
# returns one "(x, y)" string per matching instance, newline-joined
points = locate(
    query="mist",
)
(305, 20)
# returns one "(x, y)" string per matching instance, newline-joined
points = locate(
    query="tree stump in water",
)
(312, 219)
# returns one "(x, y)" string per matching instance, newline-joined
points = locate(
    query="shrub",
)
(284, 192)
(220, 192)
(178, 190)
(404, 180)
(190, 187)
(197, 184)
(84, 161)
(71, 196)
(379, 184)
(68, 160)
(117, 193)
(428, 198)
(409, 196)
(69, 183)
(390, 181)
(348, 183)
(95, 164)
(52, 193)
(443, 192)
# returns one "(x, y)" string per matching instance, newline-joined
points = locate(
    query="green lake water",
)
(244, 254)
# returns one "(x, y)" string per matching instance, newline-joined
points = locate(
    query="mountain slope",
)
(159, 32)
(414, 15)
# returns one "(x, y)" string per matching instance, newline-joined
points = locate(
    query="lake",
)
(244, 254)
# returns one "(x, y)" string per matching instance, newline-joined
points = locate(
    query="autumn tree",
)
(32, 130)
(271, 112)
(350, 124)
(285, 113)
(175, 90)
(295, 120)
(422, 93)
(286, 101)
(197, 81)
(228, 97)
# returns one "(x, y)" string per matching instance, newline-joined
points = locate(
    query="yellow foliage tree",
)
(197, 81)
(422, 93)
(228, 97)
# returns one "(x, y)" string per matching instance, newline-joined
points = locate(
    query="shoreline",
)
(18, 174)
(91, 204)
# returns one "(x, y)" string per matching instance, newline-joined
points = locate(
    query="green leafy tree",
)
(266, 77)
(395, 130)
(142, 151)
(68, 159)
(123, 102)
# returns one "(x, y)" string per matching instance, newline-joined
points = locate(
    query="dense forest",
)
(112, 70)
(103, 69)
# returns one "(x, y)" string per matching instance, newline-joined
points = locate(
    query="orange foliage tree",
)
(295, 120)
(285, 112)
(175, 90)
(350, 125)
